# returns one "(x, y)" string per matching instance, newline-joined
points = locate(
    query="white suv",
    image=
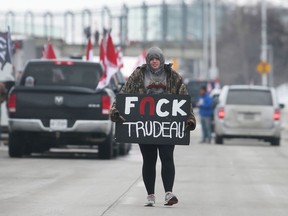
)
(248, 112)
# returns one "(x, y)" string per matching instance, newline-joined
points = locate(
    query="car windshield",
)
(80, 75)
(249, 97)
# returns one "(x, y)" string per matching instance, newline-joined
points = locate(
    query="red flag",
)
(48, 52)
(109, 58)
(17, 44)
(102, 55)
(110, 51)
(89, 51)
(119, 54)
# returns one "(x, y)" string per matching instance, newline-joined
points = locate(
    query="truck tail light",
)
(12, 103)
(221, 113)
(276, 115)
(106, 103)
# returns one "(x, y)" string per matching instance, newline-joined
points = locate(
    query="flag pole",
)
(9, 41)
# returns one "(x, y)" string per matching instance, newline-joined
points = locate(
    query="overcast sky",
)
(64, 5)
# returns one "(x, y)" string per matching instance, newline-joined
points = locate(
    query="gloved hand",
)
(190, 125)
(116, 117)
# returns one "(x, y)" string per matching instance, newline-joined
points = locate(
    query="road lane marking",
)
(121, 196)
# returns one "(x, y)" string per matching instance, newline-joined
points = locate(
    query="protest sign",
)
(153, 119)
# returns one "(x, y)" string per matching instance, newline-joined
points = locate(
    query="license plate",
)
(58, 124)
(249, 116)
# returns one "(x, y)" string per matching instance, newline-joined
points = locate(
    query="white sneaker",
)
(150, 200)
(170, 199)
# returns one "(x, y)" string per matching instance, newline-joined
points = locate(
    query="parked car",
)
(55, 104)
(248, 112)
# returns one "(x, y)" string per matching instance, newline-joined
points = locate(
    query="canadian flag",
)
(217, 84)
(48, 51)
(108, 58)
(141, 58)
(89, 51)
(209, 87)
(119, 54)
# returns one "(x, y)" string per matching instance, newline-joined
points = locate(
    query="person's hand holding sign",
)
(190, 125)
(116, 117)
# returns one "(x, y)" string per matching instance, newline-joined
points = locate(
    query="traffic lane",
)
(242, 177)
(50, 186)
(230, 179)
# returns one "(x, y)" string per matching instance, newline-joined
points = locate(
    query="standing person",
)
(2, 92)
(156, 77)
(205, 104)
(2, 99)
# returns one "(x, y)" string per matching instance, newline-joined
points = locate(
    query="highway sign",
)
(263, 68)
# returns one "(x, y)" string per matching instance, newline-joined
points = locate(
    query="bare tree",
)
(239, 45)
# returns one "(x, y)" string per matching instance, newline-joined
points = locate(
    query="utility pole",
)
(270, 56)
(205, 38)
(213, 72)
(264, 39)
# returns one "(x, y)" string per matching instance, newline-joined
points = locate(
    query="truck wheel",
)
(116, 150)
(27, 149)
(16, 147)
(218, 139)
(275, 141)
(106, 149)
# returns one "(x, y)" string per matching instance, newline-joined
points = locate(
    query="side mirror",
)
(281, 106)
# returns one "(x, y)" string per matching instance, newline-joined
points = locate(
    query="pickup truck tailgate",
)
(60, 103)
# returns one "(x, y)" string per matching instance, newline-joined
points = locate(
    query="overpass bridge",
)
(190, 51)
(177, 28)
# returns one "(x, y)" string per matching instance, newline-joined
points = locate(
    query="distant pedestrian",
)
(205, 105)
(2, 99)
(156, 77)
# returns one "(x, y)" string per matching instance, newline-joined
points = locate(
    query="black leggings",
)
(149, 154)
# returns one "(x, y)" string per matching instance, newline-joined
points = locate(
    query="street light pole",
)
(270, 56)
(206, 38)
(213, 73)
(264, 38)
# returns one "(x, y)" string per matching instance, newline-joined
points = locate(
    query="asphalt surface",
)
(239, 178)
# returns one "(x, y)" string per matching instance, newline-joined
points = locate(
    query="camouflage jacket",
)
(2, 92)
(174, 85)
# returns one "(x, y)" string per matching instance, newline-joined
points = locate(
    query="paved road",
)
(241, 178)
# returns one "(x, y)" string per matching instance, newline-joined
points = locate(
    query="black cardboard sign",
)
(153, 119)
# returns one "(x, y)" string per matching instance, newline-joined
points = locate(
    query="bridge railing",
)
(178, 23)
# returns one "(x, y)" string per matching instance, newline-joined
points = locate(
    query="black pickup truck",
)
(56, 104)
